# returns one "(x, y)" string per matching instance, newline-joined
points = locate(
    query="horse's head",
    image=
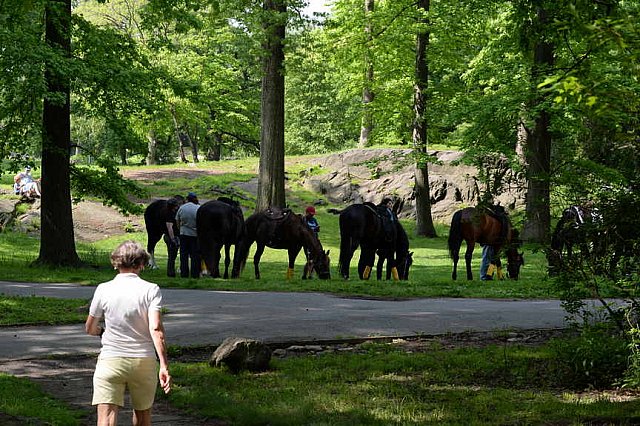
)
(515, 260)
(320, 262)
(405, 260)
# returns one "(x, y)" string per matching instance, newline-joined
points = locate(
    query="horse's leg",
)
(306, 271)
(455, 256)
(498, 263)
(365, 264)
(172, 254)
(215, 266)
(468, 255)
(293, 253)
(152, 240)
(380, 266)
(392, 267)
(256, 259)
(208, 258)
(347, 249)
(227, 260)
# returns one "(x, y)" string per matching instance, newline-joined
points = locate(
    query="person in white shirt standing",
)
(189, 250)
(132, 336)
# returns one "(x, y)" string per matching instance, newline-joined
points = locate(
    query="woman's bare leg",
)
(107, 414)
(142, 417)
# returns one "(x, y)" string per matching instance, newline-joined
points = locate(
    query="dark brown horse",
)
(285, 230)
(399, 255)
(155, 219)
(473, 226)
(220, 224)
(367, 226)
(580, 226)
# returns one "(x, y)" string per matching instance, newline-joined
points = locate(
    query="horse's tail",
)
(334, 211)
(245, 240)
(455, 234)
(345, 245)
(242, 248)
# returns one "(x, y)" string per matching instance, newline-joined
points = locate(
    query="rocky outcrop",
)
(7, 212)
(356, 176)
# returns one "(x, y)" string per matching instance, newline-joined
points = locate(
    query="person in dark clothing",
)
(189, 250)
(385, 210)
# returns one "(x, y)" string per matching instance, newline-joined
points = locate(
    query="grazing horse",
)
(365, 226)
(220, 223)
(283, 229)
(156, 216)
(573, 228)
(474, 225)
(399, 255)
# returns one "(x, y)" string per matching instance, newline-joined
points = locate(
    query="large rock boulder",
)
(238, 354)
(7, 211)
(360, 175)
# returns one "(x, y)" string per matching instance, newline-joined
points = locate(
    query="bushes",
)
(597, 358)
(607, 350)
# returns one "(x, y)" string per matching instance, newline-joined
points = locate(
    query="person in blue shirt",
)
(311, 221)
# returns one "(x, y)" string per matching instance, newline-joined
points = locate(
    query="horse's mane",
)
(370, 205)
(229, 201)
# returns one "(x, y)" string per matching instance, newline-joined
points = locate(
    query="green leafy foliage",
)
(105, 182)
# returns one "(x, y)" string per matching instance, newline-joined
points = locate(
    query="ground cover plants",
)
(24, 403)
(383, 384)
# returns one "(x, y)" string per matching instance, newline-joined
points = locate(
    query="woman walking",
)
(132, 335)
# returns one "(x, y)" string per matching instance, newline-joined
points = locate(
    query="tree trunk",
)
(367, 93)
(193, 143)
(152, 149)
(271, 172)
(123, 156)
(424, 220)
(538, 149)
(215, 147)
(179, 136)
(57, 243)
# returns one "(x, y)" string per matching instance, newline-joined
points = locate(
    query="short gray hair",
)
(129, 254)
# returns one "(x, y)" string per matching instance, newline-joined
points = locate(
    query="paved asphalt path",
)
(202, 317)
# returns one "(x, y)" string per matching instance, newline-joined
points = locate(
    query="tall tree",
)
(367, 90)
(424, 220)
(271, 172)
(57, 244)
(538, 146)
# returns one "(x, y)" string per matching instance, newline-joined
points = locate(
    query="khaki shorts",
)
(112, 375)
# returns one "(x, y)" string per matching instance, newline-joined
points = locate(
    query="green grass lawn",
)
(387, 386)
(430, 274)
(25, 401)
(42, 311)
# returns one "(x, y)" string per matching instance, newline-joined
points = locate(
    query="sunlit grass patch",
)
(381, 385)
(31, 310)
(24, 399)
